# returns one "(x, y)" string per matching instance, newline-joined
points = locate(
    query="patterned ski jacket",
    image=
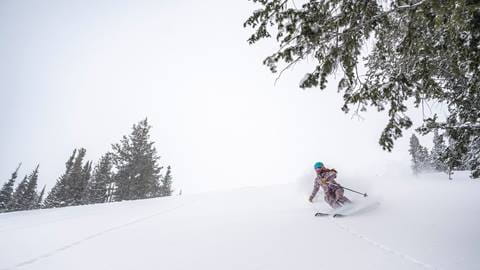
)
(326, 180)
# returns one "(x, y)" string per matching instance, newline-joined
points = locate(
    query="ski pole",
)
(364, 194)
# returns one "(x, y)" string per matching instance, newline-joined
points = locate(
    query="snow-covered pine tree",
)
(7, 190)
(136, 160)
(438, 153)
(166, 183)
(16, 201)
(96, 191)
(75, 182)
(57, 195)
(413, 150)
(38, 202)
(86, 175)
(473, 157)
(454, 157)
(419, 154)
(29, 198)
(53, 198)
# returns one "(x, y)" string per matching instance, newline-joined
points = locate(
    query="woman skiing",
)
(333, 191)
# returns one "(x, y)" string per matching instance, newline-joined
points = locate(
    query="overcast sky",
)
(81, 73)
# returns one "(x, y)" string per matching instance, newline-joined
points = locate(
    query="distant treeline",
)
(443, 158)
(130, 171)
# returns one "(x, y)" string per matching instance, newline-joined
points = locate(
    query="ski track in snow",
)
(17, 228)
(382, 246)
(95, 235)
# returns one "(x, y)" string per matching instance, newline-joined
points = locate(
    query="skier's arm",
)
(333, 183)
(316, 187)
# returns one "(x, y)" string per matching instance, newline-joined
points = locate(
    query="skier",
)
(333, 191)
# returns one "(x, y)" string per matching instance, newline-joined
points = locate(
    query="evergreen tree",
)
(473, 158)
(439, 153)
(420, 157)
(53, 198)
(17, 197)
(428, 51)
(86, 175)
(75, 182)
(29, 198)
(136, 160)
(7, 190)
(96, 191)
(58, 195)
(166, 183)
(453, 157)
(38, 202)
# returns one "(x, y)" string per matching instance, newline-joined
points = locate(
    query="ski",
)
(320, 214)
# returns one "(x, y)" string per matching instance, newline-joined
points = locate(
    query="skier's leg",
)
(340, 198)
(346, 200)
(331, 201)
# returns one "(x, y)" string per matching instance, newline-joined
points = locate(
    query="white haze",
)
(80, 73)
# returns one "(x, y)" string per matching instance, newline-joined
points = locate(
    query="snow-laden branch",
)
(461, 126)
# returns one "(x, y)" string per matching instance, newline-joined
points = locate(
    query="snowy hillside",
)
(426, 223)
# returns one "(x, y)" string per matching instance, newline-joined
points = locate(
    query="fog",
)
(80, 74)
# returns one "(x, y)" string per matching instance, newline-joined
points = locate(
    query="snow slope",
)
(427, 223)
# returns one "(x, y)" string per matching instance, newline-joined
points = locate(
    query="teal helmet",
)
(318, 165)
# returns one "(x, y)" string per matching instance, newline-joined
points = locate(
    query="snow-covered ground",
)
(422, 223)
